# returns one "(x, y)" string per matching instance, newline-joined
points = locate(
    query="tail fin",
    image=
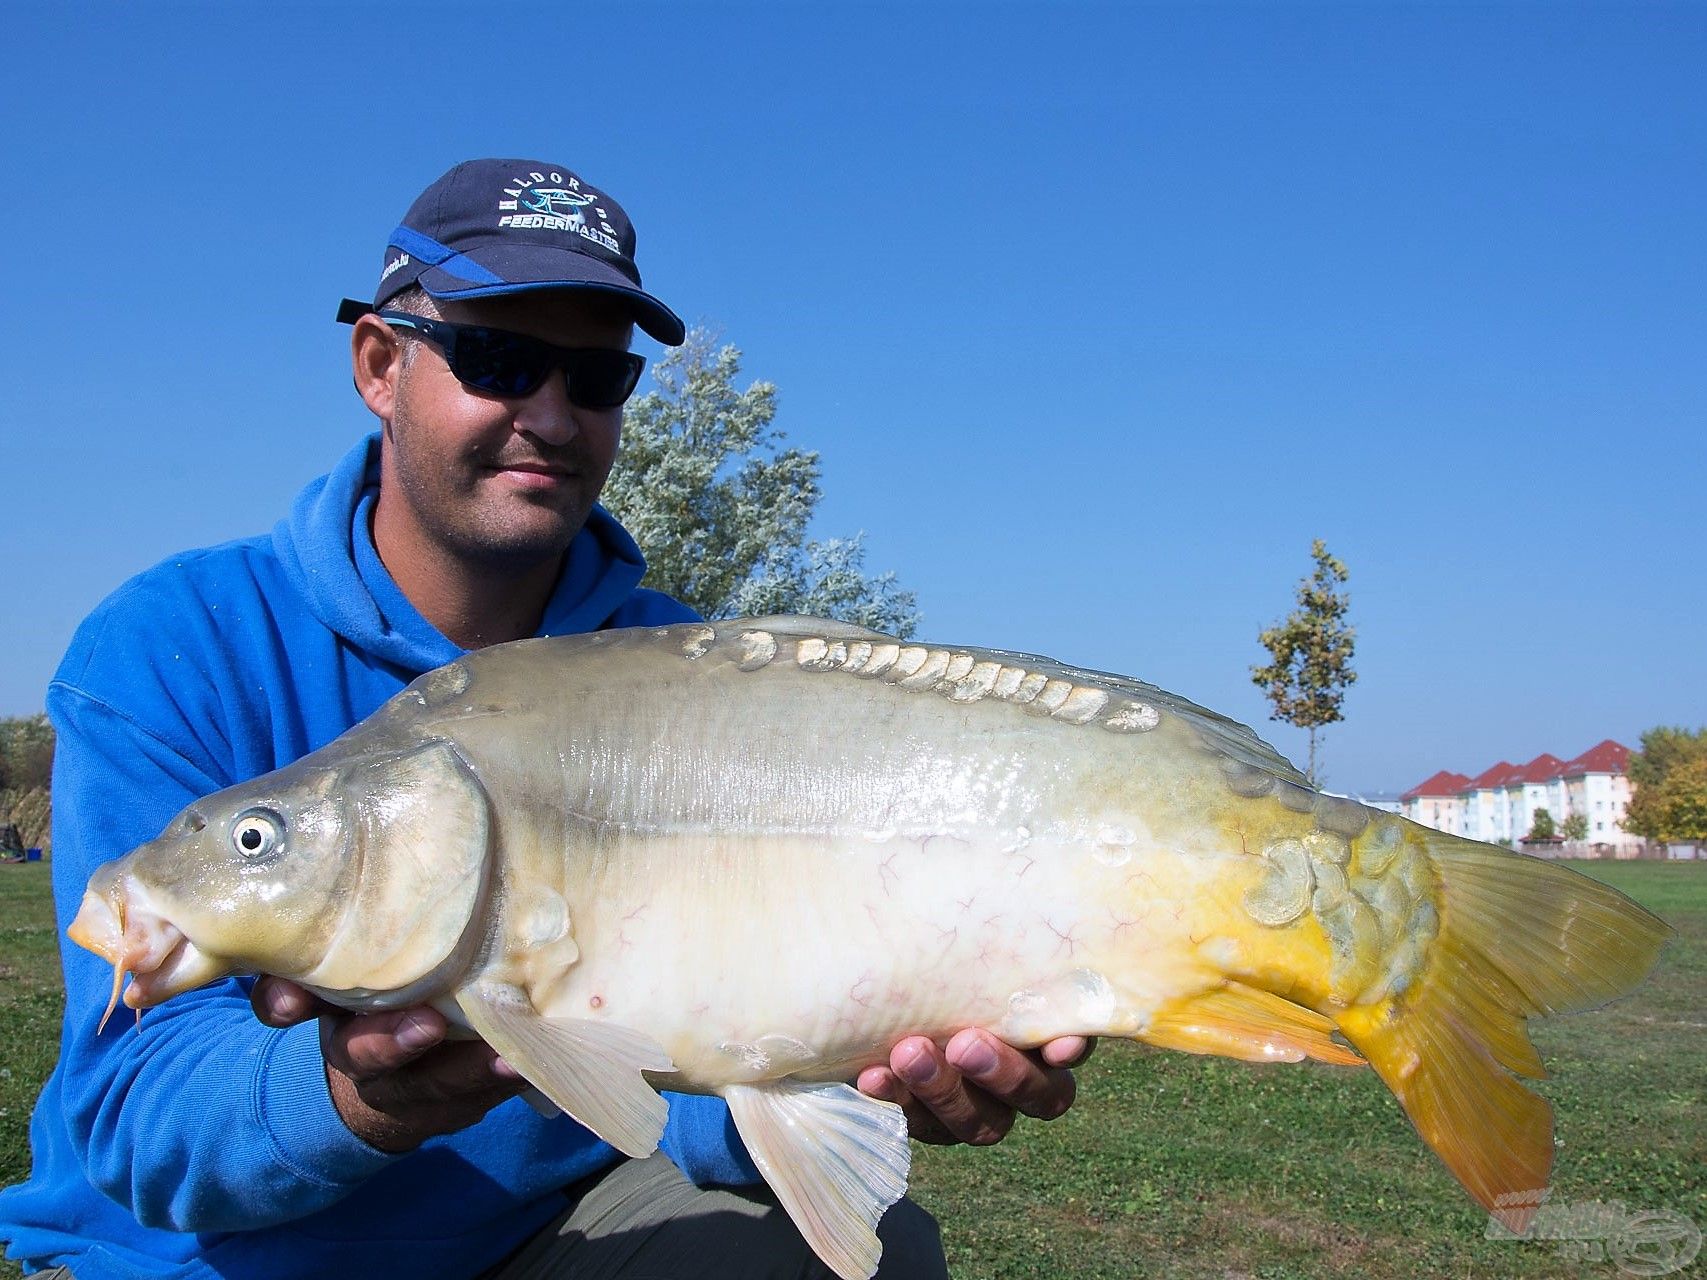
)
(1518, 937)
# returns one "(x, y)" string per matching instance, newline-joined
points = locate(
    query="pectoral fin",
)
(835, 1158)
(589, 1069)
(541, 1104)
(1244, 1022)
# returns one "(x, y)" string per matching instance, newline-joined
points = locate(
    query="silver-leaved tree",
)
(721, 508)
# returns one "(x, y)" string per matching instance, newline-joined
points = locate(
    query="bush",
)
(26, 753)
(32, 811)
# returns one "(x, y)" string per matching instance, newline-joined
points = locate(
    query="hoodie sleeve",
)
(198, 1117)
(701, 1138)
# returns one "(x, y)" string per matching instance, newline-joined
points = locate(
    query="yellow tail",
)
(1518, 937)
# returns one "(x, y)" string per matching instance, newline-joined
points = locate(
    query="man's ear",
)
(376, 358)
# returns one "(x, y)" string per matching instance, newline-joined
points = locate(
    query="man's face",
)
(508, 482)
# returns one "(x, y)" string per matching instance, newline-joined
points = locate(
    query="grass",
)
(1180, 1166)
(31, 999)
(1172, 1165)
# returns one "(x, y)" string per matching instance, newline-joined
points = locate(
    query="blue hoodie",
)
(207, 1145)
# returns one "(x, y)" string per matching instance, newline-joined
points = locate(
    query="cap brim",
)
(525, 268)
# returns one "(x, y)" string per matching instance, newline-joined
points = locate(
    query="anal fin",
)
(1243, 1022)
(589, 1069)
(835, 1158)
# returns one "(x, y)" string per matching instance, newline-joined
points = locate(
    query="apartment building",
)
(1534, 788)
(1597, 785)
(1437, 802)
(1499, 803)
(1487, 808)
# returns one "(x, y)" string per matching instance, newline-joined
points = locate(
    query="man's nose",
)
(547, 413)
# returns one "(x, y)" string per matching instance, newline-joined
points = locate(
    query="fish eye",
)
(257, 833)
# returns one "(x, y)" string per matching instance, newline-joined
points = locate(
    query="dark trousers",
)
(644, 1221)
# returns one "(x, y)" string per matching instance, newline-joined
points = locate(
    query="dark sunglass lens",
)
(501, 363)
(603, 379)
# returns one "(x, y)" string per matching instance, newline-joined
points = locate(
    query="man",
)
(248, 1131)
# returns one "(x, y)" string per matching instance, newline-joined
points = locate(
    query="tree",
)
(26, 772)
(1670, 776)
(828, 579)
(1311, 651)
(1541, 825)
(721, 509)
(1574, 827)
(26, 752)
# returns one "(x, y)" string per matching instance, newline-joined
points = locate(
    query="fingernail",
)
(504, 1071)
(416, 1034)
(976, 1058)
(920, 1068)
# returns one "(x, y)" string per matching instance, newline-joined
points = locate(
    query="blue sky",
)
(1098, 314)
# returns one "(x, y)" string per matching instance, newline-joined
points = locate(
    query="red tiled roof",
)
(1543, 768)
(1495, 775)
(1603, 757)
(1444, 783)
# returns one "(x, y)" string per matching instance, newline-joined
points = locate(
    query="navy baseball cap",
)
(492, 227)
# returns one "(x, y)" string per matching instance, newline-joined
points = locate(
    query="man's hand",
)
(970, 1090)
(393, 1077)
(396, 1081)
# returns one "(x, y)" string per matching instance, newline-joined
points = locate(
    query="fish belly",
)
(757, 957)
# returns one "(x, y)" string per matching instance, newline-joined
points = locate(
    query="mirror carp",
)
(747, 857)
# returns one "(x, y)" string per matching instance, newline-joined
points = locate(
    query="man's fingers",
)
(922, 1125)
(279, 1003)
(448, 1088)
(1011, 1077)
(1068, 1051)
(462, 1073)
(883, 1084)
(397, 1081)
(968, 1114)
(364, 1046)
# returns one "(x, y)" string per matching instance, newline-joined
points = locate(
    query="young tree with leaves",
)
(1574, 827)
(1541, 825)
(721, 509)
(1311, 653)
(1670, 776)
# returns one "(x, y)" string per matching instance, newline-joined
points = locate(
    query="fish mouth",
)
(161, 960)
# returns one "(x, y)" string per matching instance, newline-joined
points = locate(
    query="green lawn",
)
(1180, 1166)
(30, 1004)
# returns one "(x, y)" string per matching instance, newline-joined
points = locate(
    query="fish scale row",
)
(955, 674)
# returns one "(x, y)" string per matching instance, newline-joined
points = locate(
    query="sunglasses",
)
(513, 365)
